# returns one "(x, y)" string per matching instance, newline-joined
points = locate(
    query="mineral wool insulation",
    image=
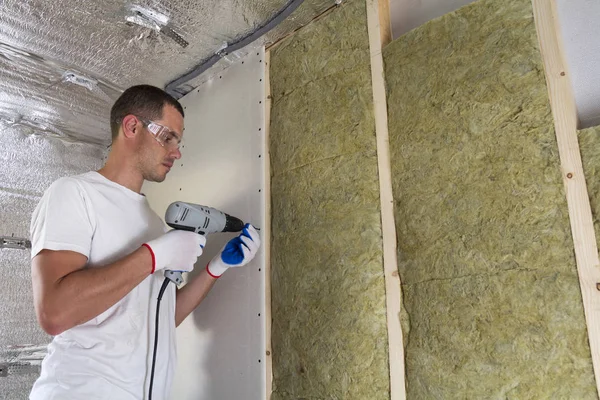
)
(328, 300)
(490, 288)
(589, 144)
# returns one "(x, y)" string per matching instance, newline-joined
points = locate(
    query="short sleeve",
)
(61, 220)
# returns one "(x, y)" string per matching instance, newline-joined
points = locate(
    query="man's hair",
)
(142, 100)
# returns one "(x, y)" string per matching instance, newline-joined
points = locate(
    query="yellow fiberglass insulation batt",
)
(329, 332)
(491, 295)
(589, 144)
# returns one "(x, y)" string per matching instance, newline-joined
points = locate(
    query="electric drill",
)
(200, 219)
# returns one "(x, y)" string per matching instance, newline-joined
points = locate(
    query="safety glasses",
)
(163, 135)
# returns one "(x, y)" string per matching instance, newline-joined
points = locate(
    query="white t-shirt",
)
(110, 356)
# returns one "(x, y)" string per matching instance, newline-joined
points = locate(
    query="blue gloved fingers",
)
(241, 248)
(249, 243)
(247, 253)
(250, 231)
(253, 231)
(246, 231)
(233, 253)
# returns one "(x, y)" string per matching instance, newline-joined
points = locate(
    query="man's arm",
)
(65, 294)
(192, 294)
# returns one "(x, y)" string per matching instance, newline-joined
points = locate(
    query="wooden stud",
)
(564, 111)
(385, 22)
(267, 229)
(378, 20)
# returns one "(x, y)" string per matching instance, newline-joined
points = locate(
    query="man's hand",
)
(237, 253)
(176, 250)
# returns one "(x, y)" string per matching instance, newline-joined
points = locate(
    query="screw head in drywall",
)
(570, 175)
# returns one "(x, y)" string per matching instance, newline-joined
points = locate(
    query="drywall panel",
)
(491, 294)
(578, 20)
(221, 346)
(329, 335)
(406, 15)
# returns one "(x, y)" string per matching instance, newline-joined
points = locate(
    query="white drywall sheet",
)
(580, 30)
(221, 346)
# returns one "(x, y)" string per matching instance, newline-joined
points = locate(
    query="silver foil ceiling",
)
(63, 62)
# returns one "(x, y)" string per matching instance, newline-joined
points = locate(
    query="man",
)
(98, 256)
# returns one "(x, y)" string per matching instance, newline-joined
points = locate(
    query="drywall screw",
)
(569, 175)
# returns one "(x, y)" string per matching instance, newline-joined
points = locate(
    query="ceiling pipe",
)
(289, 8)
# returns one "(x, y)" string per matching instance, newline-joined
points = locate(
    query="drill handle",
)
(174, 276)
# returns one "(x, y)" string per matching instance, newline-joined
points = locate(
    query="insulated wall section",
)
(589, 145)
(490, 286)
(329, 332)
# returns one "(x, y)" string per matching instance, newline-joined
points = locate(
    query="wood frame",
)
(380, 34)
(564, 112)
(267, 229)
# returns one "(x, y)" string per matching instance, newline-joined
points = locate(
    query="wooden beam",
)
(564, 111)
(267, 229)
(379, 33)
(385, 22)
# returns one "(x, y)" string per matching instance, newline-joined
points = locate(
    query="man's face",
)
(155, 160)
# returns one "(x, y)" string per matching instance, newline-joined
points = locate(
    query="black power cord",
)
(160, 295)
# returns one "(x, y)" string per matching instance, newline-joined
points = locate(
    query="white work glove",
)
(176, 250)
(237, 253)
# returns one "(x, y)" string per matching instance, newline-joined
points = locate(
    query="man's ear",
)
(130, 126)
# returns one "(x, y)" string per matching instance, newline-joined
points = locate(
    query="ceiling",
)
(64, 62)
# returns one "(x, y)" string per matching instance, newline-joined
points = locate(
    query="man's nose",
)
(176, 154)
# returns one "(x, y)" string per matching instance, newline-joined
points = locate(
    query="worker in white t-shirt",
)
(97, 255)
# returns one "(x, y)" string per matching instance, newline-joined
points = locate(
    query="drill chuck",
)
(233, 224)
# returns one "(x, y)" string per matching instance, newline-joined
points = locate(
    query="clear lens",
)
(164, 135)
